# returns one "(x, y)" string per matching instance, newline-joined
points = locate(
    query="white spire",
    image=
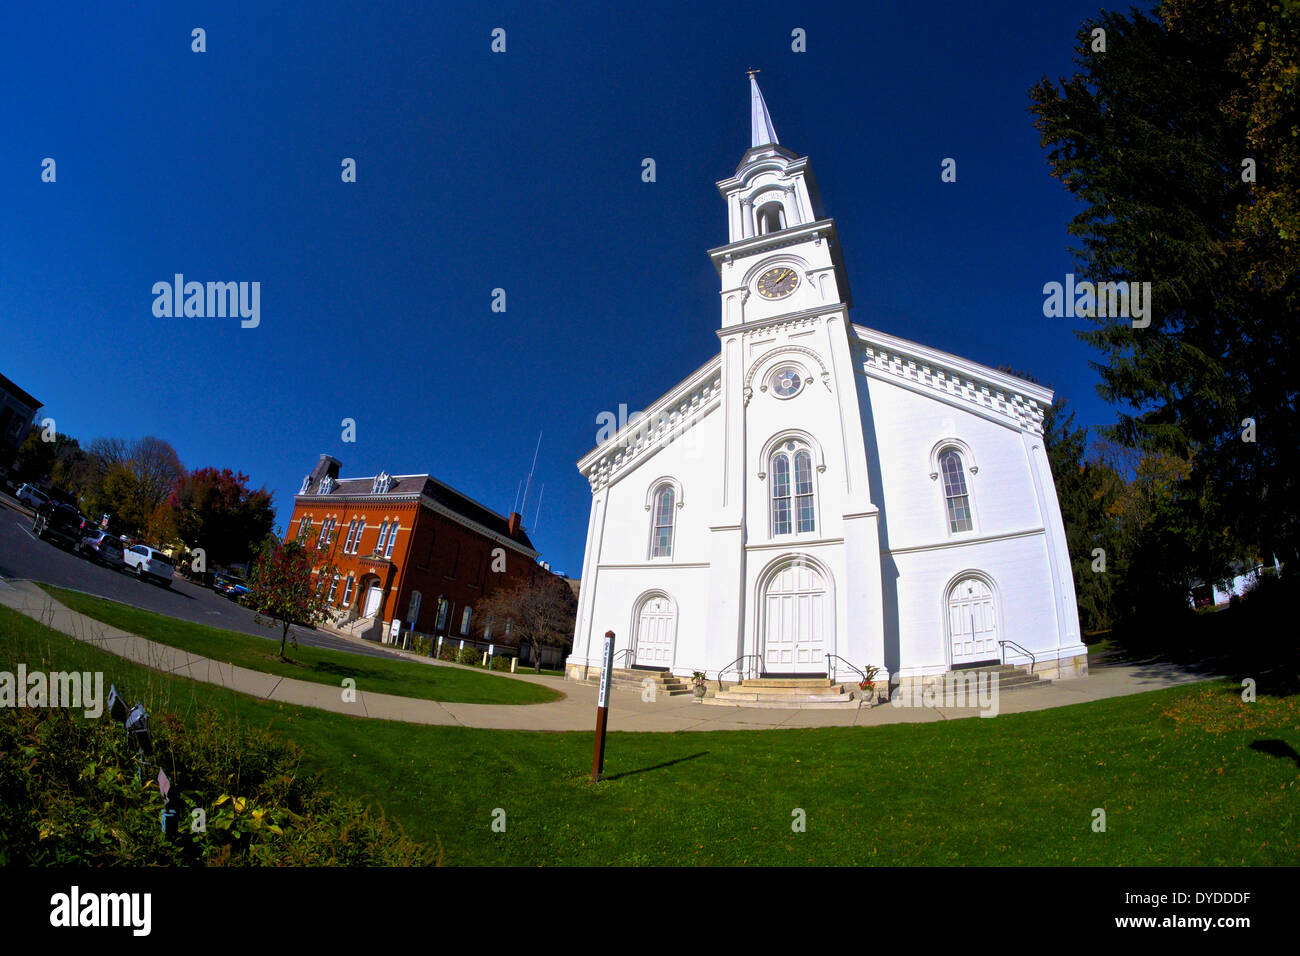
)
(760, 126)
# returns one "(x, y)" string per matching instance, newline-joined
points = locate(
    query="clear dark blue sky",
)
(476, 171)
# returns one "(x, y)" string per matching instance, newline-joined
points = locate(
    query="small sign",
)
(606, 671)
(602, 706)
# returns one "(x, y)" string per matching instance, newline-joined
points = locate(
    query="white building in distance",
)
(822, 494)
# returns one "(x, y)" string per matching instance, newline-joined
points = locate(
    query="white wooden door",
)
(656, 633)
(972, 622)
(795, 622)
(372, 600)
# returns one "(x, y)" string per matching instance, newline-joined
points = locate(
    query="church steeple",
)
(762, 132)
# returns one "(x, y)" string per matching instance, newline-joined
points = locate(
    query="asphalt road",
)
(23, 556)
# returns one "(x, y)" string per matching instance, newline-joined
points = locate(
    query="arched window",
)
(954, 491)
(793, 505)
(771, 218)
(661, 542)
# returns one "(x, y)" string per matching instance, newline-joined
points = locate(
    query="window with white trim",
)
(661, 540)
(334, 587)
(954, 491)
(793, 496)
(383, 533)
(347, 591)
(464, 620)
(361, 529)
(352, 536)
(392, 539)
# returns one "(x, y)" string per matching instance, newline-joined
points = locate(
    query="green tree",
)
(1150, 136)
(1085, 489)
(287, 585)
(36, 458)
(216, 511)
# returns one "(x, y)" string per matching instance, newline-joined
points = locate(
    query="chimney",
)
(514, 524)
(326, 466)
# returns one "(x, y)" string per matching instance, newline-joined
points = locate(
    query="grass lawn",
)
(375, 675)
(1187, 776)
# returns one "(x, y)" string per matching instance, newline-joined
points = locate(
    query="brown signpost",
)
(602, 706)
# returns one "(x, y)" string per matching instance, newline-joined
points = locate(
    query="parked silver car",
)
(104, 548)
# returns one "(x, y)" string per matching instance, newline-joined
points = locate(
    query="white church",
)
(821, 496)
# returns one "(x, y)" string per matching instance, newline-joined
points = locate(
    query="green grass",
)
(375, 675)
(1187, 776)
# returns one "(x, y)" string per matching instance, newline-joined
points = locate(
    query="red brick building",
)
(410, 548)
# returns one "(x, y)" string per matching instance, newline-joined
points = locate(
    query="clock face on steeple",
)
(777, 283)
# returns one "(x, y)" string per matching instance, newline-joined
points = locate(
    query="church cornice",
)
(784, 323)
(958, 381)
(663, 422)
(823, 230)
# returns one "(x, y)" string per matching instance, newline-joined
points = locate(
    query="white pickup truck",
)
(148, 562)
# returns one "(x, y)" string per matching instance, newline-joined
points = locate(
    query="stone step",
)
(786, 682)
(794, 703)
(775, 692)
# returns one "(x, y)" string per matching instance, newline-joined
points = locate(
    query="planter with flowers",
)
(698, 685)
(867, 686)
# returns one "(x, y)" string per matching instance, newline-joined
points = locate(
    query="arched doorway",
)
(972, 621)
(796, 620)
(372, 593)
(655, 637)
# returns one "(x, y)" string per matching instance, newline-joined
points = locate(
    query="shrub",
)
(70, 796)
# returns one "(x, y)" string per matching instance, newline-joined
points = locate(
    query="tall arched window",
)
(954, 491)
(661, 542)
(793, 504)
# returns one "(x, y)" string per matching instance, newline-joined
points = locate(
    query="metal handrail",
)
(1032, 660)
(742, 657)
(630, 655)
(838, 658)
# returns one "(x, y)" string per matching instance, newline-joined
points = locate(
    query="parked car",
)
(104, 548)
(58, 523)
(232, 587)
(31, 496)
(149, 562)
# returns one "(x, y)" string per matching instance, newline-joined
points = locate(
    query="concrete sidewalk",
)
(628, 712)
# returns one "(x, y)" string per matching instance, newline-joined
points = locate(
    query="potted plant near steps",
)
(698, 686)
(868, 685)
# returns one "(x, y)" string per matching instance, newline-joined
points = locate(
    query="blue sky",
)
(478, 171)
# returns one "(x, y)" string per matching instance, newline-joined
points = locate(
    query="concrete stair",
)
(632, 678)
(784, 693)
(1010, 678)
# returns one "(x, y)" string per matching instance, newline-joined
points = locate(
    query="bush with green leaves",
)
(71, 794)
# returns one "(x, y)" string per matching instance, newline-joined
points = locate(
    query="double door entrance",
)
(796, 616)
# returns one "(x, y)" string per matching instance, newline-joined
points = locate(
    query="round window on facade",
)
(786, 382)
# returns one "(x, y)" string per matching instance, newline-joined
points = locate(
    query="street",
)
(23, 556)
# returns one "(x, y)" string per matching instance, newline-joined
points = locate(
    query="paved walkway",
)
(577, 710)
